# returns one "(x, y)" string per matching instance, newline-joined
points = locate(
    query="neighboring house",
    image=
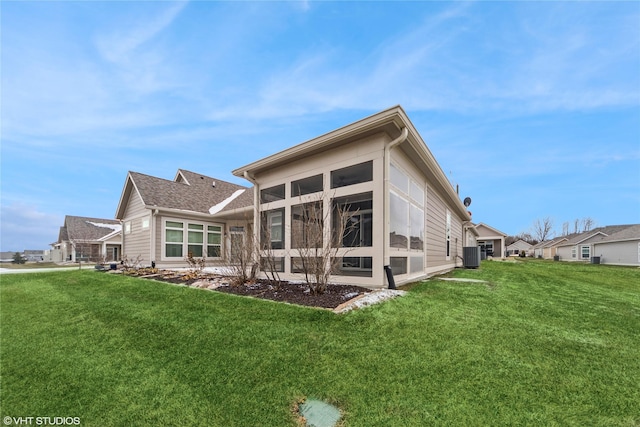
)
(6, 256)
(33, 255)
(519, 246)
(620, 248)
(580, 247)
(491, 241)
(87, 239)
(166, 221)
(402, 210)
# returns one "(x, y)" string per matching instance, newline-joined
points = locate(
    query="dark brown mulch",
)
(295, 293)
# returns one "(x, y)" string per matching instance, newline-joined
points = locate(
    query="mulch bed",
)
(293, 293)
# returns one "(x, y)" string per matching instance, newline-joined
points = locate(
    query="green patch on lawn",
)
(547, 344)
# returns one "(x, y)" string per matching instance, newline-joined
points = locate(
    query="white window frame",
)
(127, 227)
(185, 238)
(582, 248)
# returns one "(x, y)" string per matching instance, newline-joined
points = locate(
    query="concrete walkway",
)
(44, 270)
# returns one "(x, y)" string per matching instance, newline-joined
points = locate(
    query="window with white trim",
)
(194, 239)
(585, 252)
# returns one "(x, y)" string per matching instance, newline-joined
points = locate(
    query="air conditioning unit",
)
(471, 256)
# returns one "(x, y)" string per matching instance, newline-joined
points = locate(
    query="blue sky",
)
(532, 108)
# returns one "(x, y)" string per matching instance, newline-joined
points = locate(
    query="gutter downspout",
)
(387, 208)
(256, 207)
(153, 243)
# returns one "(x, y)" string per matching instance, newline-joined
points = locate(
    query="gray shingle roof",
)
(84, 228)
(190, 191)
(606, 231)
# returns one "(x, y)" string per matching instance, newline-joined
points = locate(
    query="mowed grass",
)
(542, 343)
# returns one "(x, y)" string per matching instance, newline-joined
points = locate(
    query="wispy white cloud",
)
(26, 227)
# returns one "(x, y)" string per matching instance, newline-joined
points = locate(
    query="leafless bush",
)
(131, 263)
(316, 246)
(196, 265)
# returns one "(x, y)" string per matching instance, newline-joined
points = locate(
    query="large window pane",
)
(307, 222)
(196, 237)
(355, 266)
(398, 265)
(353, 219)
(273, 229)
(417, 228)
(313, 184)
(417, 193)
(272, 194)
(362, 172)
(173, 250)
(195, 251)
(174, 236)
(398, 234)
(399, 179)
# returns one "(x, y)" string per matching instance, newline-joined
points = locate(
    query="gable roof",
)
(87, 229)
(631, 232)
(189, 191)
(604, 232)
(392, 121)
(520, 244)
(496, 231)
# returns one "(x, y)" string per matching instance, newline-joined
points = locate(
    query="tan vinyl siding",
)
(137, 242)
(436, 223)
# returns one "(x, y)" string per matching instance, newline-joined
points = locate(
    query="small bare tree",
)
(542, 229)
(316, 244)
(269, 262)
(243, 266)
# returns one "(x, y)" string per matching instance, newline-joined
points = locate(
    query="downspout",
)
(387, 208)
(153, 243)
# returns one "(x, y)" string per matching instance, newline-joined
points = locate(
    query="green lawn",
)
(543, 343)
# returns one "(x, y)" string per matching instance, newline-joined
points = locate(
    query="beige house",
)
(518, 247)
(491, 241)
(401, 209)
(164, 221)
(87, 239)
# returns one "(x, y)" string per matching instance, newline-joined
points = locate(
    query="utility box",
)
(471, 256)
(595, 260)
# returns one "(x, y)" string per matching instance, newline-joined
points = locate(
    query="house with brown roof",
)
(87, 239)
(164, 221)
(403, 214)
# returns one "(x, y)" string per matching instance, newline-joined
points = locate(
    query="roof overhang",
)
(391, 121)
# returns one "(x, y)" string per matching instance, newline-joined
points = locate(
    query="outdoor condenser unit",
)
(471, 256)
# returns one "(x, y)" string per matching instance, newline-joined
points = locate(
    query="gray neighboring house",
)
(164, 221)
(87, 239)
(581, 247)
(491, 241)
(6, 256)
(620, 248)
(34, 255)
